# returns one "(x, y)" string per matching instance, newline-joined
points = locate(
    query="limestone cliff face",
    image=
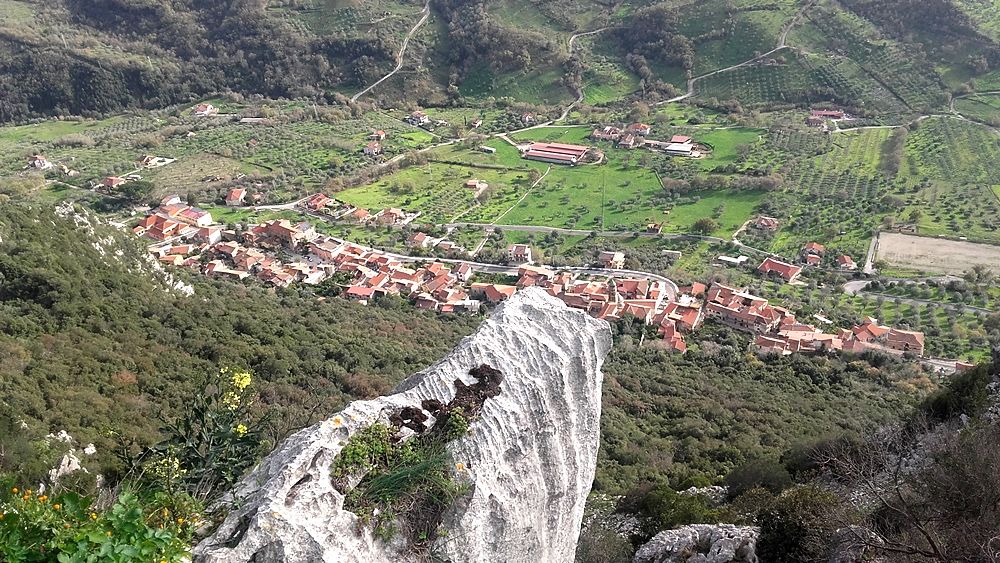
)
(530, 456)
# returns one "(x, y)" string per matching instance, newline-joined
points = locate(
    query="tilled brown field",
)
(936, 255)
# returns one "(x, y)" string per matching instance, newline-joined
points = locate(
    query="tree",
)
(135, 191)
(704, 226)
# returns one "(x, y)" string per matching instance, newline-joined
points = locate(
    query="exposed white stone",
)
(702, 543)
(530, 455)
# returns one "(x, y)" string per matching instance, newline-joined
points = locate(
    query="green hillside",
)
(78, 57)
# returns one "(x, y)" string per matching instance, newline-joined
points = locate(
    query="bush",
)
(662, 508)
(767, 474)
(795, 527)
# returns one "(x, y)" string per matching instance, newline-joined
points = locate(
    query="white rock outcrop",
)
(702, 543)
(530, 455)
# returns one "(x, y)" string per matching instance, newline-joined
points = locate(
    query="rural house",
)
(235, 197)
(784, 270)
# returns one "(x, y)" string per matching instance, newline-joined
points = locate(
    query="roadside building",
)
(611, 259)
(519, 254)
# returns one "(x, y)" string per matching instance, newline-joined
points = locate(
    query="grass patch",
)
(409, 482)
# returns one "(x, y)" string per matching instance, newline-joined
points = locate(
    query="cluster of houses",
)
(636, 135)
(175, 220)
(777, 331)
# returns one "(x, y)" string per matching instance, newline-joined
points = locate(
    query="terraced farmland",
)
(762, 83)
(980, 107)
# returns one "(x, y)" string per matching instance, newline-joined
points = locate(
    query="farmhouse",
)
(813, 248)
(235, 197)
(205, 110)
(680, 145)
(373, 148)
(556, 153)
(418, 118)
(418, 239)
(826, 114)
(845, 262)
(640, 129)
(765, 223)
(630, 141)
(112, 182)
(528, 119)
(475, 184)
(784, 270)
(39, 162)
(609, 133)
(390, 216)
(360, 215)
(318, 201)
(377, 135)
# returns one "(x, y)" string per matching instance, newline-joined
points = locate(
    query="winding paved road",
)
(425, 13)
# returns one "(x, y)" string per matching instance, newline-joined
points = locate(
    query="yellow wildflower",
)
(43, 498)
(93, 516)
(231, 400)
(180, 521)
(56, 506)
(241, 380)
(241, 429)
(14, 490)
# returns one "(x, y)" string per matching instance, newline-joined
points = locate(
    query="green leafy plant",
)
(67, 528)
(209, 446)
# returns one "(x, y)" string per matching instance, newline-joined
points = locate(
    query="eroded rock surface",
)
(701, 543)
(530, 455)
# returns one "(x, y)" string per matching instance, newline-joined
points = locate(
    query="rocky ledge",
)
(527, 459)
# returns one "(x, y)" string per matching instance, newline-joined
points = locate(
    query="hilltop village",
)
(185, 236)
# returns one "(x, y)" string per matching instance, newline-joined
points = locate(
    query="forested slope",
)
(81, 57)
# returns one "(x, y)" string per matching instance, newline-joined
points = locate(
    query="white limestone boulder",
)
(530, 455)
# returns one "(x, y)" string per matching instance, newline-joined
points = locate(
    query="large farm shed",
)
(556, 153)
